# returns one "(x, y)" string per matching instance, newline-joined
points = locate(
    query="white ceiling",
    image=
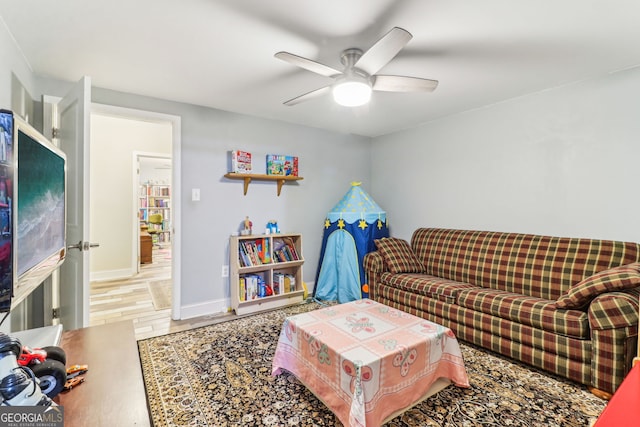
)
(219, 53)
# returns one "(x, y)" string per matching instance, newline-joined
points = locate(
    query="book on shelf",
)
(243, 289)
(253, 286)
(156, 190)
(158, 203)
(243, 256)
(250, 288)
(253, 252)
(284, 250)
(282, 165)
(283, 283)
(240, 161)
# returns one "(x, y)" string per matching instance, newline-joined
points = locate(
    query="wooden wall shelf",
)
(248, 177)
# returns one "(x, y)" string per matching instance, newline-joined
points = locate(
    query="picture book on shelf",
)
(240, 162)
(284, 250)
(283, 283)
(282, 165)
(253, 286)
(243, 289)
(254, 252)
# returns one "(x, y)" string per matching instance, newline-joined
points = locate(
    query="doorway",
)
(118, 138)
(153, 185)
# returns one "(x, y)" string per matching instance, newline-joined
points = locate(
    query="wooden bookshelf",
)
(268, 268)
(248, 177)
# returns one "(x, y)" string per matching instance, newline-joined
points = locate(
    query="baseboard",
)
(215, 307)
(208, 308)
(103, 276)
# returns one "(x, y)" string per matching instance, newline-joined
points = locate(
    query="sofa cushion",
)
(422, 284)
(613, 279)
(535, 312)
(398, 255)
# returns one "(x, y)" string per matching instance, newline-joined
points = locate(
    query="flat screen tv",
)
(35, 200)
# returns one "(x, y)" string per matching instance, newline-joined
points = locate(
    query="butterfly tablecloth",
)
(367, 361)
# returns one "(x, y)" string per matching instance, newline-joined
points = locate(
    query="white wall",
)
(112, 211)
(561, 162)
(155, 170)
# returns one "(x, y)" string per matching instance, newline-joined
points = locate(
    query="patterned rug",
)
(220, 375)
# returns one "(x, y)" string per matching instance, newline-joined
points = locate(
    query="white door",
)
(73, 121)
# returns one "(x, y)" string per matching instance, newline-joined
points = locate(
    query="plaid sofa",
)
(566, 305)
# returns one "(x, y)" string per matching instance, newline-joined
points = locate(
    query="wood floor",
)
(117, 300)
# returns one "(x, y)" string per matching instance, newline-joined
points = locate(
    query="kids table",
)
(368, 362)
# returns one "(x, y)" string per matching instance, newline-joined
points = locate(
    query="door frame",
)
(176, 148)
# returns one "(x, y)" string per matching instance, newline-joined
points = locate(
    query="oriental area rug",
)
(220, 375)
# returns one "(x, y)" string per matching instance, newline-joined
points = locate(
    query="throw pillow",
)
(615, 279)
(398, 256)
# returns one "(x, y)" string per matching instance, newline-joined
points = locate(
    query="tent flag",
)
(349, 233)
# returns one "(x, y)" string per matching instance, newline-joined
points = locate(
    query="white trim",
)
(176, 185)
(208, 308)
(176, 235)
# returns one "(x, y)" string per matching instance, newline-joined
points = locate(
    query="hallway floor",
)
(130, 299)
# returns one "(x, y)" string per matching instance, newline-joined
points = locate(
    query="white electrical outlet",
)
(225, 271)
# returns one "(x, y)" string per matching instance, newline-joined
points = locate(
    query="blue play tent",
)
(349, 231)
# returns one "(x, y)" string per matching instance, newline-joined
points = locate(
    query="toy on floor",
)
(47, 364)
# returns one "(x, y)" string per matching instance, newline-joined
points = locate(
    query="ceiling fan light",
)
(351, 93)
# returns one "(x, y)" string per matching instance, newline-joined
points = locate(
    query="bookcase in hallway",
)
(265, 271)
(154, 199)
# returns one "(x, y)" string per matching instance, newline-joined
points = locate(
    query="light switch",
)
(195, 194)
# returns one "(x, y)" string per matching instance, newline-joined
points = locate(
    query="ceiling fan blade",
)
(308, 64)
(307, 96)
(403, 84)
(383, 50)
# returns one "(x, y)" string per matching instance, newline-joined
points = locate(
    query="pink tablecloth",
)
(365, 360)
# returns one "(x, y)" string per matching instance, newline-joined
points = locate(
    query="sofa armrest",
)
(614, 310)
(613, 319)
(373, 265)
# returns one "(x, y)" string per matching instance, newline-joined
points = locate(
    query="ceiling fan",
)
(352, 86)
